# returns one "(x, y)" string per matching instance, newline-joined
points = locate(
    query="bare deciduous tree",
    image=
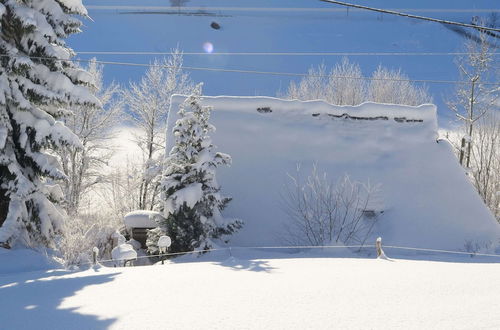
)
(346, 85)
(474, 100)
(148, 105)
(393, 86)
(93, 125)
(484, 167)
(325, 212)
(476, 105)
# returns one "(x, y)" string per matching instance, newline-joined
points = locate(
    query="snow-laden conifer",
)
(191, 195)
(38, 85)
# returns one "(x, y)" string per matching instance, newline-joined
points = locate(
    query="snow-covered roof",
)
(140, 219)
(427, 198)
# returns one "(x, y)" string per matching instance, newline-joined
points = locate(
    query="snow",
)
(3, 136)
(141, 219)
(15, 261)
(428, 200)
(295, 292)
(190, 195)
(75, 6)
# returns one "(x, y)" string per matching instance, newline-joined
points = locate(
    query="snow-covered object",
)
(34, 94)
(426, 197)
(123, 252)
(164, 242)
(141, 219)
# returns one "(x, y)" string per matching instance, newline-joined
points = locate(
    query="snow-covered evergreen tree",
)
(191, 195)
(38, 84)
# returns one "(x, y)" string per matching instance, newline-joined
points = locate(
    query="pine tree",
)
(38, 84)
(191, 195)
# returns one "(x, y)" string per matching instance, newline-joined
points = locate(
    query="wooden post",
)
(95, 254)
(378, 246)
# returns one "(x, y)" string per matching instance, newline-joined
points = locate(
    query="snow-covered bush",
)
(152, 240)
(84, 232)
(38, 84)
(190, 191)
(324, 212)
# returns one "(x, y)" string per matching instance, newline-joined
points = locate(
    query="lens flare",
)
(208, 47)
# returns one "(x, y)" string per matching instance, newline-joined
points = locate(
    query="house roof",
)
(427, 198)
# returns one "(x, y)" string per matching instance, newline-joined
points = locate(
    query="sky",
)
(277, 26)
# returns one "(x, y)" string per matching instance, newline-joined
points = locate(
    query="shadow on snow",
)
(32, 300)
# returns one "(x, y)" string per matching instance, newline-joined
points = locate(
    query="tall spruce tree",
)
(191, 195)
(38, 85)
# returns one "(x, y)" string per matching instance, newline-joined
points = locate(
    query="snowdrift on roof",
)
(140, 219)
(427, 198)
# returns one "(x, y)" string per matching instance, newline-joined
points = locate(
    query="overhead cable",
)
(391, 12)
(280, 53)
(280, 9)
(274, 73)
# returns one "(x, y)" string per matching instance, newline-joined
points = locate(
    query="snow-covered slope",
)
(309, 293)
(427, 199)
(25, 260)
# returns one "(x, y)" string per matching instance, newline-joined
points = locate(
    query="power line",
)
(280, 9)
(385, 11)
(280, 53)
(274, 73)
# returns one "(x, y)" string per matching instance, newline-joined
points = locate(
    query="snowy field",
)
(303, 292)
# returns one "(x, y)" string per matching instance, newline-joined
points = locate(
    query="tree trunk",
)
(4, 206)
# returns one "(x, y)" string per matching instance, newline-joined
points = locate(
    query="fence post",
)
(378, 246)
(95, 254)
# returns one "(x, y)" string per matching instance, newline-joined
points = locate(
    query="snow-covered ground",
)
(306, 291)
